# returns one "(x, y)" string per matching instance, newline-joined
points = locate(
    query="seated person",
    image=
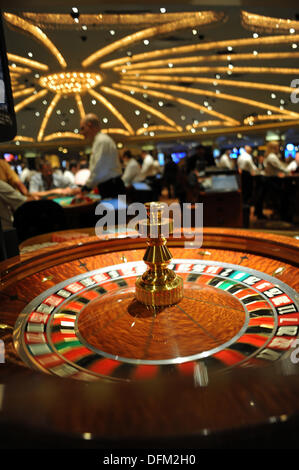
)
(82, 174)
(70, 174)
(10, 200)
(131, 168)
(27, 172)
(10, 177)
(47, 182)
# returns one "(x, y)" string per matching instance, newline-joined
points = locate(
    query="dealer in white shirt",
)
(104, 163)
(245, 161)
(149, 168)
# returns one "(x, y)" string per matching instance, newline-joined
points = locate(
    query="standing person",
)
(170, 175)
(10, 200)
(131, 168)
(245, 161)
(9, 176)
(274, 169)
(149, 168)
(248, 170)
(225, 161)
(273, 164)
(104, 164)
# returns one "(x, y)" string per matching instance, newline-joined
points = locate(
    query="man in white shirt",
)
(225, 161)
(148, 168)
(70, 174)
(273, 165)
(104, 164)
(131, 170)
(45, 179)
(245, 161)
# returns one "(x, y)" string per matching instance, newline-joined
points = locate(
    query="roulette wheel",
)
(90, 362)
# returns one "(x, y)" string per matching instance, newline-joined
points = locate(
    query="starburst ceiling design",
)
(152, 74)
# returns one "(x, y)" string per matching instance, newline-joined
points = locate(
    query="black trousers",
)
(112, 188)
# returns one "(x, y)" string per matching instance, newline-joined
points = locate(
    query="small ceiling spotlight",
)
(75, 14)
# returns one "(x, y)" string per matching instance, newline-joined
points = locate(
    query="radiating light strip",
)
(142, 130)
(140, 104)
(207, 124)
(23, 138)
(197, 19)
(14, 76)
(211, 58)
(16, 69)
(216, 82)
(23, 92)
(267, 23)
(182, 101)
(266, 117)
(115, 131)
(224, 96)
(17, 86)
(29, 100)
(23, 60)
(36, 32)
(199, 70)
(181, 50)
(63, 135)
(55, 19)
(220, 131)
(47, 116)
(80, 106)
(112, 109)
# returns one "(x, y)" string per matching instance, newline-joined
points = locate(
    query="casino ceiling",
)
(152, 73)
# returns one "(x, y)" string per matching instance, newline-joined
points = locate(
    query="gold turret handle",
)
(159, 285)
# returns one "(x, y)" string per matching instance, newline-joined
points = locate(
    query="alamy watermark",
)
(294, 95)
(295, 353)
(2, 92)
(2, 352)
(187, 220)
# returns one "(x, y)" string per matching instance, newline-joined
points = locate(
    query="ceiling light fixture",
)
(70, 82)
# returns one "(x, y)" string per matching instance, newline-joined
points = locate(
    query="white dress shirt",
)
(131, 172)
(69, 179)
(37, 182)
(273, 165)
(104, 162)
(225, 162)
(245, 163)
(292, 166)
(148, 168)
